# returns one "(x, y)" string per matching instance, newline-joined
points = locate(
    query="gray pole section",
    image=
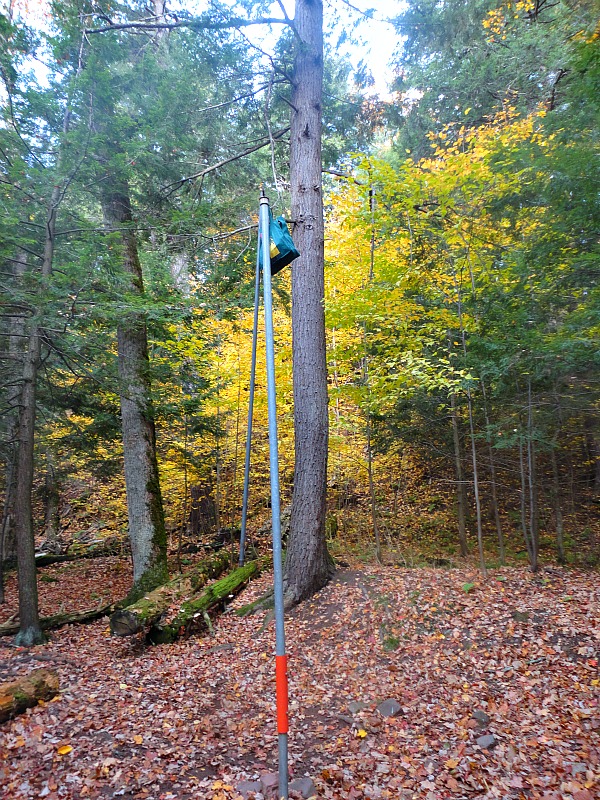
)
(280, 658)
(250, 409)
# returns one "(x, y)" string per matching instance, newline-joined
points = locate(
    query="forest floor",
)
(194, 719)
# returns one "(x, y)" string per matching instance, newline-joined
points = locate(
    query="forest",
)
(437, 371)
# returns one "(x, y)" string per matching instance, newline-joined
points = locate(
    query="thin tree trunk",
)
(460, 484)
(144, 502)
(492, 462)
(530, 551)
(368, 387)
(30, 632)
(218, 442)
(472, 433)
(52, 506)
(560, 539)
(532, 473)
(372, 491)
(183, 526)
(476, 488)
(308, 566)
(593, 447)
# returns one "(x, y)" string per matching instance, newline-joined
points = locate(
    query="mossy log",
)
(26, 692)
(149, 609)
(58, 620)
(196, 607)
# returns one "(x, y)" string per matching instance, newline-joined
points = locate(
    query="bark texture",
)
(144, 502)
(17, 696)
(148, 609)
(308, 566)
(14, 345)
(14, 348)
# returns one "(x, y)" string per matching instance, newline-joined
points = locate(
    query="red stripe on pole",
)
(281, 686)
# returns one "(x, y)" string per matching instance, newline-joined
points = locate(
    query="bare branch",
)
(346, 175)
(202, 173)
(193, 24)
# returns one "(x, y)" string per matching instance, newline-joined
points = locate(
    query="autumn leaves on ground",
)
(495, 687)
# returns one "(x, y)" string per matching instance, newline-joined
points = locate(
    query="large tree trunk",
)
(14, 347)
(144, 502)
(308, 566)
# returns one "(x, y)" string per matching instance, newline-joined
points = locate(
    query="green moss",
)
(154, 576)
(191, 609)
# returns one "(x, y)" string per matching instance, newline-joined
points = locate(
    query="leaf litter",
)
(496, 694)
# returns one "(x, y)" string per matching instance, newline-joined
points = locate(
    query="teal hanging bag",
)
(283, 251)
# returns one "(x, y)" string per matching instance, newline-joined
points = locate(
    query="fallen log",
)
(149, 609)
(58, 620)
(94, 551)
(26, 692)
(167, 630)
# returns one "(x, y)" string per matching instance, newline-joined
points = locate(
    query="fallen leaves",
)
(192, 720)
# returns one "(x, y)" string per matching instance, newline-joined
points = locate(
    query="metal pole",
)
(280, 656)
(250, 409)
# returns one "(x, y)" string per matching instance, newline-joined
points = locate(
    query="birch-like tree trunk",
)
(144, 502)
(308, 566)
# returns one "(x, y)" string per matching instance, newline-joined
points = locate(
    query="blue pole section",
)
(280, 657)
(250, 410)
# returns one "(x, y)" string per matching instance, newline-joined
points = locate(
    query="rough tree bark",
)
(14, 346)
(308, 566)
(144, 502)
(30, 632)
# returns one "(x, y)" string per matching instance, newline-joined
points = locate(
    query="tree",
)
(308, 566)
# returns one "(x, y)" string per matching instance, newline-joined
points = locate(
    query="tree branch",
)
(194, 24)
(207, 170)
